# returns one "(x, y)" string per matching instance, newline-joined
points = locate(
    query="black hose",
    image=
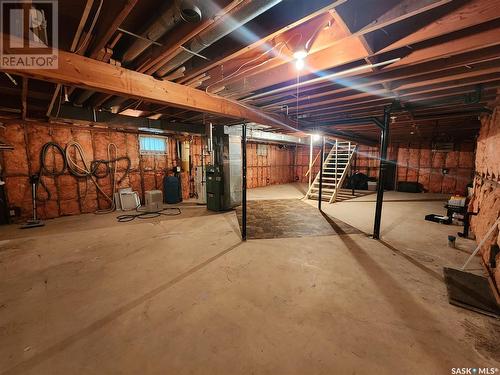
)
(95, 164)
(148, 214)
(44, 171)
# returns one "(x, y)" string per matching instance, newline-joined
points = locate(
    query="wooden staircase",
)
(335, 169)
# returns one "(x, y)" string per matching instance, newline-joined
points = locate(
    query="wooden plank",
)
(431, 79)
(482, 39)
(116, 21)
(402, 11)
(152, 63)
(24, 98)
(95, 75)
(326, 57)
(74, 44)
(472, 13)
(261, 42)
(390, 74)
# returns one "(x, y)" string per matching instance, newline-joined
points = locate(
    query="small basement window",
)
(152, 144)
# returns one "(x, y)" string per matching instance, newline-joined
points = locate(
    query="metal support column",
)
(322, 157)
(384, 143)
(353, 169)
(244, 183)
(310, 161)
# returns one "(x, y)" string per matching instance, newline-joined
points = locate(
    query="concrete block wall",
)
(486, 196)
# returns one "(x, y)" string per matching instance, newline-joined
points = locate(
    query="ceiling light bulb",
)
(315, 137)
(299, 64)
(300, 55)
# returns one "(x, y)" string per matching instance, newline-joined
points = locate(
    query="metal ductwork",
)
(185, 11)
(227, 24)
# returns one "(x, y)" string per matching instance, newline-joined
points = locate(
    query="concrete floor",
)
(183, 295)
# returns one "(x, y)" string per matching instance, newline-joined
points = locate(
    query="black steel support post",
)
(244, 183)
(320, 197)
(384, 143)
(353, 169)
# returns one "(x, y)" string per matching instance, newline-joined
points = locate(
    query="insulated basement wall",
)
(302, 163)
(417, 162)
(486, 197)
(269, 164)
(70, 195)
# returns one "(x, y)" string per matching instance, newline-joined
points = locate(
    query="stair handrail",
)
(312, 164)
(351, 151)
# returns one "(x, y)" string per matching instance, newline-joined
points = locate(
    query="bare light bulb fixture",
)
(315, 137)
(299, 64)
(299, 57)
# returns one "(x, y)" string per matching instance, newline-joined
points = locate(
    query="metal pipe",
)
(320, 197)
(384, 142)
(186, 11)
(210, 143)
(244, 183)
(139, 36)
(194, 53)
(227, 24)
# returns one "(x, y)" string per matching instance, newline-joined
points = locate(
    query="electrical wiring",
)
(237, 71)
(144, 214)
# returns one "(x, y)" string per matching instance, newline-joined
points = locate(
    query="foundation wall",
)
(269, 164)
(417, 162)
(68, 194)
(486, 197)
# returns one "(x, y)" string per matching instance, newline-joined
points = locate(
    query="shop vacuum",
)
(34, 222)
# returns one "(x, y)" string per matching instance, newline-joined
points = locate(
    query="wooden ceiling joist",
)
(90, 74)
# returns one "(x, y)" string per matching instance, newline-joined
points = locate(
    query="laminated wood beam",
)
(90, 74)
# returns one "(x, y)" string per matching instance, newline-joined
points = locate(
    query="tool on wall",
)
(34, 222)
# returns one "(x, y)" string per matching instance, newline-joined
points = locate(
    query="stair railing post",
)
(320, 197)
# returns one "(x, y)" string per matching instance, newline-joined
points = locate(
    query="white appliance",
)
(129, 200)
(154, 200)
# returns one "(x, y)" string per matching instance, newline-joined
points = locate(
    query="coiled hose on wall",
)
(86, 169)
(91, 170)
(45, 171)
